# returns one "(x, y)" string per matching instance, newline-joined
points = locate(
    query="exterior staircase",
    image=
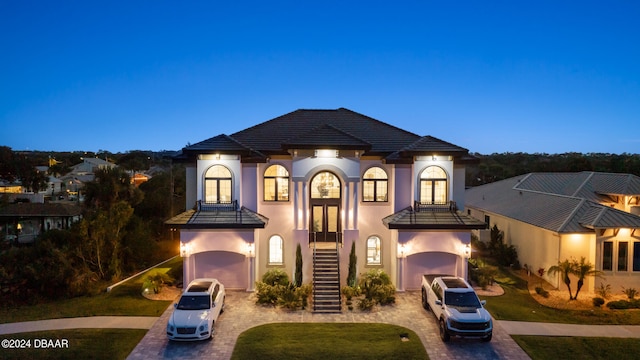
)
(326, 281)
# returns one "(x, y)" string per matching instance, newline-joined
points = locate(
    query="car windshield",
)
(190, 302)
(462, 299)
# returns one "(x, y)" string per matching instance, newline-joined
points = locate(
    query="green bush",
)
(604, 291)
(598, 301)
(275, 277)
(542, 292)
(156, 282)
(350, 292)
(267, 294)
(288, 297)
(624, 304)
(377, 288)
(630, 292)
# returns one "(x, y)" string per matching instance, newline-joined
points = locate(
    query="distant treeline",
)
(496, 167)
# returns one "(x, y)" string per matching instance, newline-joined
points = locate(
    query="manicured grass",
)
(545, 347)
(82, 344)
(517, 304)
(125, 299)
(324, 341)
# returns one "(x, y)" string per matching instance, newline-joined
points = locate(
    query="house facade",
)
(324, 180)
(550, 217)
(23, 222)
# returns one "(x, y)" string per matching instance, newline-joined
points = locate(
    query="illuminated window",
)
(276, 253)
(217, 185)
(433, 186)
(374, 185)
(276, 183)
(325, 185)
(373, 251)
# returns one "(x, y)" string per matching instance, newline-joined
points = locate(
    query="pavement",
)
(241, 313)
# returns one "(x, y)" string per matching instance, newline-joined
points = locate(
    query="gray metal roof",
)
(560, 202)
(241, 219)
(409, 219)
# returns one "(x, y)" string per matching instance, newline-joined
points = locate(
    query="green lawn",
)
(82, 344)
(124, 299)
(547, 347)
(322, 341)
(517, 304)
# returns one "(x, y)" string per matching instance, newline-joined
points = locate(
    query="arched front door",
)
(325, 204)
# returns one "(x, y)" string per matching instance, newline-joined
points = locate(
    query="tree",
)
(353, 259)
(298, 275)
(583, 269)
(564, 268)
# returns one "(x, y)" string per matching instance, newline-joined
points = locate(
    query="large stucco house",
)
(324, 179)
(550, 217)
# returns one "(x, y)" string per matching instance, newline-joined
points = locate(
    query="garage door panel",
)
(428, 263)
(229, 268)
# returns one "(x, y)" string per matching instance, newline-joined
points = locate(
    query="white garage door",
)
(428, 263)
(228, 267)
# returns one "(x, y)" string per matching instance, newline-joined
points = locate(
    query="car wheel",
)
(425, 303)
(487, 338)
(444, 335)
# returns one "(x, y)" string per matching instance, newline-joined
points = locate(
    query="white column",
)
(347, 219)
(355, 205)
(305, 207)
(296, 205)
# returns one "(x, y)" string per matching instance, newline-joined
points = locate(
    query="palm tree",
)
(583, 269)
(564, 268)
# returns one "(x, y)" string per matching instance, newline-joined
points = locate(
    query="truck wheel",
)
(425, 303)
(444, 335)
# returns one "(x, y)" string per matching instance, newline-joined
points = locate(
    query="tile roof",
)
(409, 219)
(241, 219)
(341, 128)
(559, 202)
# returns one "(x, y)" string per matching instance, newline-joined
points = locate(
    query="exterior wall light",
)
(327, 153)
(185, 249)
(467, 251)
(251, 250)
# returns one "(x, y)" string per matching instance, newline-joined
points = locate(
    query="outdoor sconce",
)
(251, 250)
(327, 153)
(185, 249)
(467, 251)
(401, 251)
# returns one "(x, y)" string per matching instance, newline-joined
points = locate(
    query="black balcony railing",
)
(449, 206)
(218, 206)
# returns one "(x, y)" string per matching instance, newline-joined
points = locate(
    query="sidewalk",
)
(93, 322)
(554, 329)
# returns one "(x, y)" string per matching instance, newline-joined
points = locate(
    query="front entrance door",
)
(325, 203)
(325, 220)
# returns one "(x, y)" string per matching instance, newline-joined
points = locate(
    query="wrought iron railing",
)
(449, 206)
(218, 206)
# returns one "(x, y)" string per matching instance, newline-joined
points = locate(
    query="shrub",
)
(598, 301)
(542, 292)
(630, 292)
(350, 292)
(604, 291)
(288, 297)
(377, 289)
(275, 277)
(267, 294)
(619, 305)
(156, 282)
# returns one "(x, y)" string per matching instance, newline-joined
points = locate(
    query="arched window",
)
(373, 251)
(433, 186)
(276, 253)
(217, 185)
(374, 185)
(276, 183)
(325, 185)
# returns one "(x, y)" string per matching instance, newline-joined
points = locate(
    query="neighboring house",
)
(324, 179)
(23, 222)
(550, 217)
(89, 166)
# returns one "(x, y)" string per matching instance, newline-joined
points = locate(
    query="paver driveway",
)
(241, 313)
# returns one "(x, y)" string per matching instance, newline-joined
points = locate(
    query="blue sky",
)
(490, 76)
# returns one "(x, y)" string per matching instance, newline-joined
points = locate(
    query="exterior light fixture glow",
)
(185, 249)
(326, 153)
(467, 251)
(251, 250)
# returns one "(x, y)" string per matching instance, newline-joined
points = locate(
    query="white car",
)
(197, 311)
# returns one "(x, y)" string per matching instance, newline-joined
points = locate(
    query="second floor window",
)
(374, 185)
(433, 186)
(276, 183)
(217, 185)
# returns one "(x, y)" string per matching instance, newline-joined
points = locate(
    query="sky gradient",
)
(490, 76)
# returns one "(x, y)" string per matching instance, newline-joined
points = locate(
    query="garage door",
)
(428, 263)
(228, 267)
